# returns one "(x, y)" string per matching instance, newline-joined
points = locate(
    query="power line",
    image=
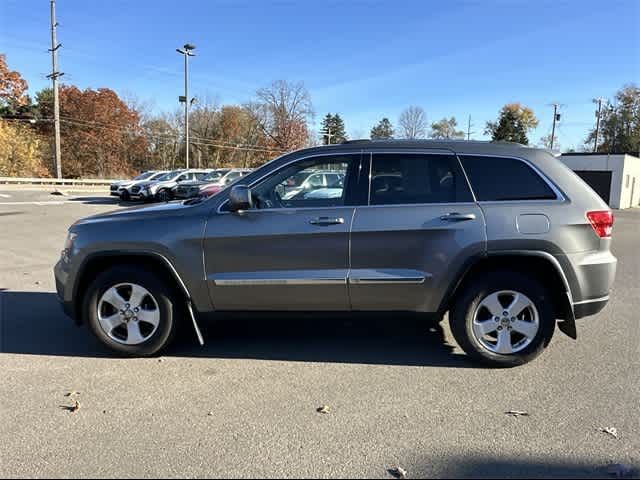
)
(166, 136)
(209, 140)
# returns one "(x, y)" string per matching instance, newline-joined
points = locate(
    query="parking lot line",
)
(34, 203)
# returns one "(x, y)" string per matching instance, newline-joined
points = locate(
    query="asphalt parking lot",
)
(400, 394)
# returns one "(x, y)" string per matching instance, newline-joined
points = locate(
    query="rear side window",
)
(416, 178)
(503, 179)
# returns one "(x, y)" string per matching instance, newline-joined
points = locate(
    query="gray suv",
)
(504, 238)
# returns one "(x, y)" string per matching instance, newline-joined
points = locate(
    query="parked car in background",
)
(160, 188)
(125, 189)
(504, 238)
(192, 189)
(114, 188)
(306, 182)
(224, 182)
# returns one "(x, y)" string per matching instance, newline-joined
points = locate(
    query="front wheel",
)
(164, 195)
(503, 319)
(131, 311)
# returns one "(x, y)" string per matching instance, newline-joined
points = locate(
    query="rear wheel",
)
(503, 319)
(131, 311)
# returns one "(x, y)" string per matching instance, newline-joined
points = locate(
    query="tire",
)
(164, 195)
(125, 197)
(469, 313)
(160, 305)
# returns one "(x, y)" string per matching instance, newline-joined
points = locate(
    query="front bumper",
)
(61, 277)
(142, 195)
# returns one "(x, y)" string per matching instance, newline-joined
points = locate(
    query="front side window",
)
(414, 179)
(302, 184)
(496, 179)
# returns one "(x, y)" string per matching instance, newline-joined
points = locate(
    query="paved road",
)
(245, 404)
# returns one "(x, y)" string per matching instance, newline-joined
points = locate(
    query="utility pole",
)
(599, 102)
(469, 125)
(328, 135)
(54, 75)
(186, 50)
(556, 117)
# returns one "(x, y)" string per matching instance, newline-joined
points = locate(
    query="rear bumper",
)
(589, 307)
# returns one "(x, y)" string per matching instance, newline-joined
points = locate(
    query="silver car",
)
(503, 238)
(161, 188)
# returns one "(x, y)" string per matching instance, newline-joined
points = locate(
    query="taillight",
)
(602, 222)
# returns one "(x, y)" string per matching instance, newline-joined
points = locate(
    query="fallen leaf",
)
(517, 413)
(609, 431)
(71, 394)
(398, 472)
(72, 409)
(620, 470)
(324, 409)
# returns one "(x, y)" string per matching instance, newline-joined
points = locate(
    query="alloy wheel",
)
(505, 322)
(128, 313)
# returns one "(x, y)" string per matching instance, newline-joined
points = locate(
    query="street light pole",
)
(186, 50)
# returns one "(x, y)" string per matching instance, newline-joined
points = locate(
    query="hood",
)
(193, 183)
(135, 213)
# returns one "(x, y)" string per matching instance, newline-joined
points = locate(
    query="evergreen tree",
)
(333, 129)
(383, 130)
(513, 124)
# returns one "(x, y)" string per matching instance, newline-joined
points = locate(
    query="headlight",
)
(68, 246)
(68, 243)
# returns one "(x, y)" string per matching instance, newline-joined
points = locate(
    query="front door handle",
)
(458, 217)
(325, 221)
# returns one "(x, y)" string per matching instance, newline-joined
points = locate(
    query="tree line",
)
(104, 135)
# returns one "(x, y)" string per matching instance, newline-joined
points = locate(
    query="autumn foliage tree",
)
(101, 135)
(13, 90)
(20, 151)
(282, 111)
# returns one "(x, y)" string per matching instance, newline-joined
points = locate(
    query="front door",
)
(291, 251)
(421, 224)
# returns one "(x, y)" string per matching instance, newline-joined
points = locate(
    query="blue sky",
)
(363, 59)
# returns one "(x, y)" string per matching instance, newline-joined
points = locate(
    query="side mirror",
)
(240, 198)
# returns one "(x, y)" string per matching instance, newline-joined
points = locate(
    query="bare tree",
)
(282, 111)
(413, 123)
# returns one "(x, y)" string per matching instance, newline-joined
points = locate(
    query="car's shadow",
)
(104, 200)
(32, 323)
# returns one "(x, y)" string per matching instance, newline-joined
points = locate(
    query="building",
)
(616, 177)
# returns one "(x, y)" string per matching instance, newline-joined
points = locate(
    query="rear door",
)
(288, 253)
(420, 225)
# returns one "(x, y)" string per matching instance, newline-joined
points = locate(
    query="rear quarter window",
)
(503, 179)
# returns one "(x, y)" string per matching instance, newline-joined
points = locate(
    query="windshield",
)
(143, 176)
(216, 175)
(156, 175)
(168, 176)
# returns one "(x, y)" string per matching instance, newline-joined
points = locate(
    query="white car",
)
(301, 184)
(124, 189)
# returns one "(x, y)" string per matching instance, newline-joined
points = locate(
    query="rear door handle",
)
(325, 221)
(458, 217)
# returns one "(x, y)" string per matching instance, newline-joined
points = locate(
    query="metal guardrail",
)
(53, 181)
